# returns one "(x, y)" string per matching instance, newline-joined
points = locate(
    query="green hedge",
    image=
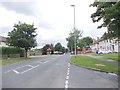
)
(11, 50)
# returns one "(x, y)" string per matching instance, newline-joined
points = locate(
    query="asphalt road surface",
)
(54, 71)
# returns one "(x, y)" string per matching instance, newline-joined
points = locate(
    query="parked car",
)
(104, 51)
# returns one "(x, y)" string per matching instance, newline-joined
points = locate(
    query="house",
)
(95, 45)
(108, 44)
(3, 41)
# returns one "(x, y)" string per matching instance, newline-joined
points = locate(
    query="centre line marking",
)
(67, 73)
(66, 86)
(66, 81)
(67, 77)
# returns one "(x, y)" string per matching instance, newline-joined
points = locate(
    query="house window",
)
(110, 47)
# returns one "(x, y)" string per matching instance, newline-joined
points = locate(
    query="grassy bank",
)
(93, 63)
(14, 60)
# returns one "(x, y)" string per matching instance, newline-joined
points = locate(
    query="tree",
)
(45, 48)
(71, 38)
(58, 47)
(52, 48)
(86, 41)
(110, 13)
(22, 36)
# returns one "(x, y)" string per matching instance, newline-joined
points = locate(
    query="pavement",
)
(110, 61)
(54, 71)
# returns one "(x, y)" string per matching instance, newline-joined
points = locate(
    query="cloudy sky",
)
(53, 18)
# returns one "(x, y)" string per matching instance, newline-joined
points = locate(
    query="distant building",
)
(3, 41)
(108, 44)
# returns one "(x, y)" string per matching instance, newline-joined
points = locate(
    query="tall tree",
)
(52, 48)
(74, 34)
(58, 47)
(86, 41)
(22, 36)
(110, 13)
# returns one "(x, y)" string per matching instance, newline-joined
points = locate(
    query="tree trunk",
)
(26, 53)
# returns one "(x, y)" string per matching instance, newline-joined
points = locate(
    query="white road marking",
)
(66, 82)
(29, 69)
(67, 77)
(66, 86)
(15, 68)
(67, 73)
(16, 71)
(68, 64)
(31, 66)
(68, 68)
(113, 74)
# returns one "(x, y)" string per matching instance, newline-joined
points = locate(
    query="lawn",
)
(93, 63)
(113, 56)
(14, 60)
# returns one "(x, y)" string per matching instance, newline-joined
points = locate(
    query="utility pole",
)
(74, 28)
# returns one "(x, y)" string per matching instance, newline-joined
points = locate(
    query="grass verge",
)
(113, 56)
(93, 63)
(14, 60)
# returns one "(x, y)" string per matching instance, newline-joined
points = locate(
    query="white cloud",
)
(53, 18)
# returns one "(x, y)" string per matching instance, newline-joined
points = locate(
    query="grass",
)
(14, 60)
(113, 56)
(91, 63)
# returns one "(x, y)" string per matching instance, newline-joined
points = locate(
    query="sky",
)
(54, 19)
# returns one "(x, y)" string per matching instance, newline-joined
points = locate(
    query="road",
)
(54, 71)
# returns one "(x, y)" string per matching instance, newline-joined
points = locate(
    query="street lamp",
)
(74, 27)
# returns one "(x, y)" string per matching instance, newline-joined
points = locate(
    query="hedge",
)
(11, 50)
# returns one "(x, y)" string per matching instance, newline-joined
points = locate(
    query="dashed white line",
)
(66, 86)
(68, 68)
(66, 82)
(68, 73)
(67, 77)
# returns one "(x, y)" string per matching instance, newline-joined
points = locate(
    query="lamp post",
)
(74, 27)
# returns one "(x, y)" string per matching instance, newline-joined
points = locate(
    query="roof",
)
(2, 39)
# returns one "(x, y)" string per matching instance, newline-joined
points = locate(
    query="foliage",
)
(71, 38)
(58, 47)
(86, 41)
(109, 12)
(12, 50)
(44, 49)
(52, 48)
(22, 36)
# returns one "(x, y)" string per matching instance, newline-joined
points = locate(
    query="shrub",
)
(12, 50)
